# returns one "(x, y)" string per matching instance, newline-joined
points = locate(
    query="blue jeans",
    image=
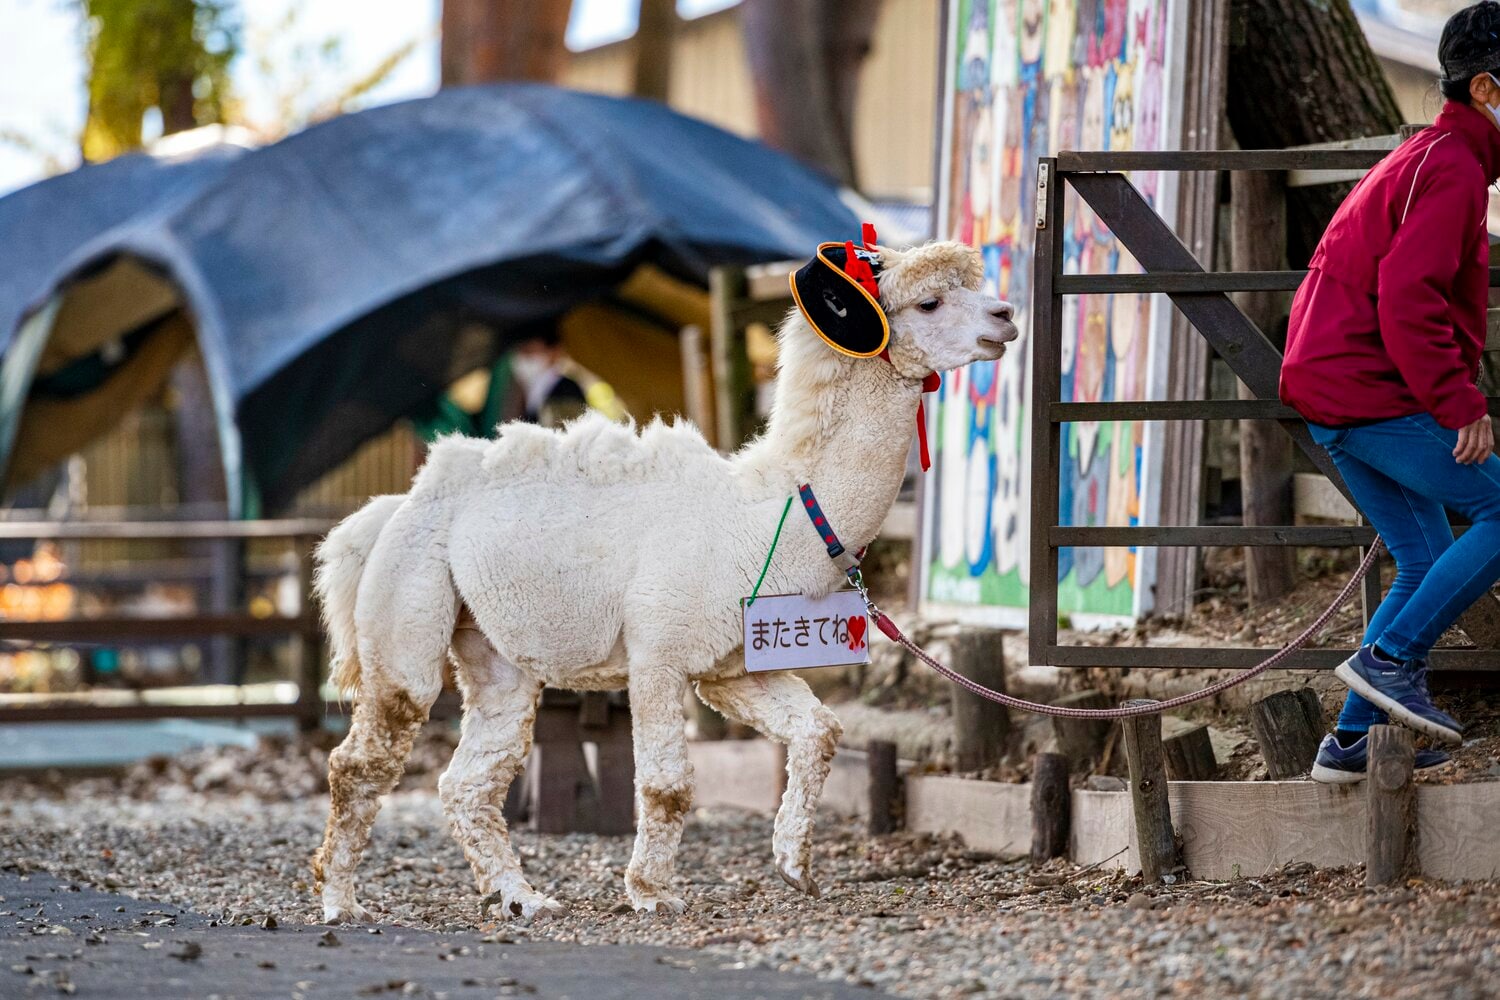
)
(1403, 474)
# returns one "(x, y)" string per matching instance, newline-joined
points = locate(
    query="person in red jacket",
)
(1382, 357)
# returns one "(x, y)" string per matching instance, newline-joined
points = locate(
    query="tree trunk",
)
(1258, 242)
(489, 40)
(178, 113)
(654, 37)
(805, 59)
(1288, 736)
(1302, 73)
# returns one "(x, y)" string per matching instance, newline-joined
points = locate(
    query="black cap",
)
(1470, 43)
(839, 308)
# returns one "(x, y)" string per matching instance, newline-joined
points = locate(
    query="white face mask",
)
(1492, 109)
(529, 368)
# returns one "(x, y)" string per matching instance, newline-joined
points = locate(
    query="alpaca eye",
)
(930, 305)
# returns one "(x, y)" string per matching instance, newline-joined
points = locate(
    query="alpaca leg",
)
(499, 711)
(361, 769)
(782, 707)
(663, 790)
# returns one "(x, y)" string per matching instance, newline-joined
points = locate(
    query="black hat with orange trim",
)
(838, 294)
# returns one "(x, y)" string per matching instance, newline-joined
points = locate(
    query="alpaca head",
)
(939, 318)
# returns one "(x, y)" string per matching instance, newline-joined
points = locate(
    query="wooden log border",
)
(1294, 820)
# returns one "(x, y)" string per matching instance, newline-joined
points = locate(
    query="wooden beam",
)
(1238, 658)
(128, 629)
(1187, 353)
(1258, 241)
(68, 531)
(1051, 803)
(1220, 159)
(1172, 409)
(981, 728)
(1181, 282)
(1322, 535)
(991, 816)
(1154, 836)
(885, 788)
(734, 383)
(1391, 847)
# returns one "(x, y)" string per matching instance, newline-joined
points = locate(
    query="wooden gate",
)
(1202, 297)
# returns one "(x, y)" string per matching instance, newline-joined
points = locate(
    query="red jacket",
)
(1390, 319)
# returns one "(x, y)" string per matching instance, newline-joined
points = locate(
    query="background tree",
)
(1301, 73)
(489, 40)
(805, 59)
(170, 55)
(655, 34)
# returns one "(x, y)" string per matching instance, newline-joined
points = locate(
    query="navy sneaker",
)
(1338, 765)
(1418, 681)
(1389, 687)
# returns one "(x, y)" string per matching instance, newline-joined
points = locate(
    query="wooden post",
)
(1287, 737)
(734, 381)
(1391, 843)
(1155, 840)
(656, 30)
(981, 728)
(559, 772)
(226, 596)
(1258, 204)
(1082, 740)
(1312, 707)
(1207, 64)
(1051, 807)
(697, 383)
(616, 769)
(307, 656)
(1190, 756)
(885, 787)
(517, 808)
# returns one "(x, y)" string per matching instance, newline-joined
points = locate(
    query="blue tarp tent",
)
(334, 280)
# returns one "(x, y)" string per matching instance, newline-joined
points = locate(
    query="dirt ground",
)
(909, 915)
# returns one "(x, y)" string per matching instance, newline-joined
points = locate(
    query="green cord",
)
(756, 592)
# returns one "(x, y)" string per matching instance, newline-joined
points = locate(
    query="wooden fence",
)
(1203, 299)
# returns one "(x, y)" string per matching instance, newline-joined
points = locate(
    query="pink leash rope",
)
(893, 632)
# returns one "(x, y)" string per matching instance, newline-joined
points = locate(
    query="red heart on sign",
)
(857, 632)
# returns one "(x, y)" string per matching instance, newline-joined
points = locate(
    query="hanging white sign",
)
(792, 631)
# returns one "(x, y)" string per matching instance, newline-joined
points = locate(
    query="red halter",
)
(859, 269)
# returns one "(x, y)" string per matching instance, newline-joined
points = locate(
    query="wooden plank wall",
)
(895, 121)
(1197, 225)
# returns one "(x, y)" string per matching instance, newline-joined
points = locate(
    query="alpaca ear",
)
(833, 291)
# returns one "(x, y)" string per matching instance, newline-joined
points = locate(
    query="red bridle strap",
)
(930, 383)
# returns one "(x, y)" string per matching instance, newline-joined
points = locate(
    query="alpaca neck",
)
(844, 426)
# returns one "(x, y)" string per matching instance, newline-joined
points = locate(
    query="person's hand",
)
(1476, 442)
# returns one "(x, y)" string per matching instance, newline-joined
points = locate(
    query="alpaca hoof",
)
(524, 905)
(346, 913)
(800, 882)
(660, 905)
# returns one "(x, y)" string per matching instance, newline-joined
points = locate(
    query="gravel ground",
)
(915, 916)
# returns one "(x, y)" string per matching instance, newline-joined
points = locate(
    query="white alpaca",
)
(597, 558)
